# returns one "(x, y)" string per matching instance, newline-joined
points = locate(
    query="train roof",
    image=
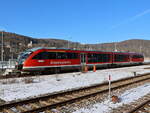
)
(38, 48)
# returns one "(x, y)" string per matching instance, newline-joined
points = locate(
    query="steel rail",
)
(142, 107)
(32, 75)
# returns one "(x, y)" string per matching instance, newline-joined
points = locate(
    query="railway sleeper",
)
(62, 98)
(147, 108)
(21, 108)
(33, 105)
(69, 96)
(142, 111)
(48, 111)
(43, 103)
(52, 101)
(8, 111)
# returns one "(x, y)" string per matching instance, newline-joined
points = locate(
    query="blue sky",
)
(84, 21)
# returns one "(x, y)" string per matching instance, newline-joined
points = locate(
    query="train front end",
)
(28, 62)
(24, 58)
(21, 59)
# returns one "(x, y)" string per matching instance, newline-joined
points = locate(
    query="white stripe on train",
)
(123, 63)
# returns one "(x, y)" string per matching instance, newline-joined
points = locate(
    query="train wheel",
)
(57, 70)
(36, 73)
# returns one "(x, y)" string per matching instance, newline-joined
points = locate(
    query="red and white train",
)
(49, 59)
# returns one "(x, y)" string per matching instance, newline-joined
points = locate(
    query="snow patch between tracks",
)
(126, 98)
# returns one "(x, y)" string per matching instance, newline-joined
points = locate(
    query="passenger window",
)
(55, 55)
(93, 58)
(42, 55)
(137, 56)
(72, 55)
(52, 55)
(121, 58)
(61, 55)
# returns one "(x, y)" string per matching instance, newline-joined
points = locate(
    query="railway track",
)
(45, 103)
(17, 74)
(143, 108)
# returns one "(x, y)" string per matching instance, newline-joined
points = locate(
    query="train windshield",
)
(23, 56)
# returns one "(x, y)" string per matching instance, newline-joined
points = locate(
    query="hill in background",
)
(15, 44)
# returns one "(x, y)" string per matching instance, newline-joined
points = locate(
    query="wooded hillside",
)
(15, 43)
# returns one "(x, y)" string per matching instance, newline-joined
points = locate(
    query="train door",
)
(83, 60)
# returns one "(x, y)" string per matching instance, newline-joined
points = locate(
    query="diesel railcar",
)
(50, 59)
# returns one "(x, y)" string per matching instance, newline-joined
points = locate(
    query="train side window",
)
(89, 58)
(61, 55)
(41, 55)
(121, 58)
(72, 55)
(52, 55)
(93, 58)
(137, 56)
(55, 55)
(105, 58)
(141, 56)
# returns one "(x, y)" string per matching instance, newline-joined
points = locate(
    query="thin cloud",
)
(140, 15)
(131, 19)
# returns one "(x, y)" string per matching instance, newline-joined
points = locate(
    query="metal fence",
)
(8, 64)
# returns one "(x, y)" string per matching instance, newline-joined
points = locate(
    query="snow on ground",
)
(21, 88)
(127, 97)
